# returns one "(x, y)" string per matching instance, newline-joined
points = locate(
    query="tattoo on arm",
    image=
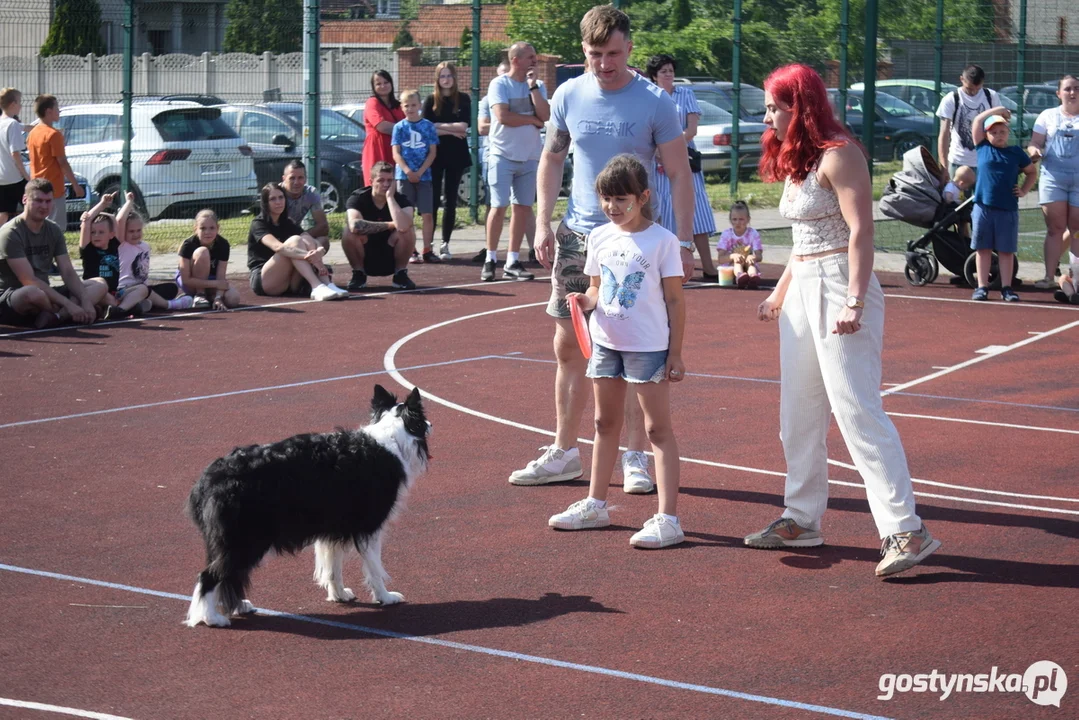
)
(367, 227)
(558, 141)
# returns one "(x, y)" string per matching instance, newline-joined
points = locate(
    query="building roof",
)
(436, 25)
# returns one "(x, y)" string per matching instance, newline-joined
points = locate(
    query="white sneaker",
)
(340, 292)
(658, 532)
(635, 477)
(554, 465)
(323, 292)
(581, 515)
(444, 252)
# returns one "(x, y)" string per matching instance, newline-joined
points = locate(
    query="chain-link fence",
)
(218, 87)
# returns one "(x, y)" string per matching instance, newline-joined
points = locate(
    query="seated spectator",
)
(29, 244)
(379, 237)
(740, 246)
(282, 258)
(134, 253)
(204, 261)
(99, 252)
(302, 199)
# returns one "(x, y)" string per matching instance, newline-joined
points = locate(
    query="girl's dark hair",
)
(739, 205)
(656, 63)
(391, 101)
(1060, 82)
(624, 175)
(264, 200)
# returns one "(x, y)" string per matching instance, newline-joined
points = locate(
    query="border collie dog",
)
(331, 489)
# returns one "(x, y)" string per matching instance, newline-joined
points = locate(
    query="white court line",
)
(244, 308)
(521, 657)
(389, 360)
(887, 412)
(57, 709)
(982, 303)
(232, 393)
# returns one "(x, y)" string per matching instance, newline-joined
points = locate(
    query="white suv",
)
(183, 156)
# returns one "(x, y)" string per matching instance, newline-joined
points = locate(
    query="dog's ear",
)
(414, 402)
(382, 401)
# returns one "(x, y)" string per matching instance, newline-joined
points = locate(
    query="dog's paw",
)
(342, 596)
(390, 598)
(245, 608)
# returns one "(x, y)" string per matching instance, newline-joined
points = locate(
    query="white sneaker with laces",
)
(658, 532)
(554, 465)
(635, 477)
(581, 515)
(323, 292)
(444, 252)
(200, 303)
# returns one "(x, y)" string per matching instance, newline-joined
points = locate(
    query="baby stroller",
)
(914, 195)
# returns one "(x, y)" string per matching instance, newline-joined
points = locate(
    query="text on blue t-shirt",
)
(415, 139)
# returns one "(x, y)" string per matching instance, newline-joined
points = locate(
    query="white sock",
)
(673, 519)
(598, 503)
(512, 257)
(177, 303)
(492, 256)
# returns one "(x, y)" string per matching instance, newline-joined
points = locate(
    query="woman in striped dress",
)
(661, 69)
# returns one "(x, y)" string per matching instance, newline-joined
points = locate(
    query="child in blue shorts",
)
(996, 199)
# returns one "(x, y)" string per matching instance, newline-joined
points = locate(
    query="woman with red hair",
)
(830, 310)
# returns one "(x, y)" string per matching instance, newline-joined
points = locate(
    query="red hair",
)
(812, 130)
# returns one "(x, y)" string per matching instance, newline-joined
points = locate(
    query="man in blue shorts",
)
(607, 111)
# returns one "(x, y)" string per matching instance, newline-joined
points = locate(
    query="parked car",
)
(352, 111)
(208, 100)
(898, 126)
(183, 157)
(713, 139)
(1036, 98)
(921, 95)
(275, 133)
(721, 94)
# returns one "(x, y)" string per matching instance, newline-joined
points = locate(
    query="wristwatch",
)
(854, 302)
(686, 245)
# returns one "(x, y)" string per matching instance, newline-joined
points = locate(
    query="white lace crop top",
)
(818, 222)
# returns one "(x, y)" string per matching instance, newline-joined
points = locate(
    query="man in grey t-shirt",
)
(302, 199)
(29, 244)
(605, 112)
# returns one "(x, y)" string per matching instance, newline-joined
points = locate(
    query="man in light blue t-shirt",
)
(518, 110)
(605, 112)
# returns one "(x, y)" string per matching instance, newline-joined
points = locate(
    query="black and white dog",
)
(335, 490)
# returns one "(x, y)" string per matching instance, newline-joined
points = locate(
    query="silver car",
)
(713, 139)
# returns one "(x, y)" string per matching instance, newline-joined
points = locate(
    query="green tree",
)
(551, 26)
(681, 14)
(75, 29)
(257, 26)
(404, 37)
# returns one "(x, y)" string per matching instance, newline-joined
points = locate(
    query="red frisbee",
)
(580, 328)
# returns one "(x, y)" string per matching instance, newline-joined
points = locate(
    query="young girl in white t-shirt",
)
(637, 324)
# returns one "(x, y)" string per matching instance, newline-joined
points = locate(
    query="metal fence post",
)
(938, 70)
(129, 60)
(1021, 66)
(869, 94)
(844, 37)
(473, 131)
(312, 72)
(736, 91)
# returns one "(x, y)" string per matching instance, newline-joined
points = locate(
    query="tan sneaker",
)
(784, 532)
(903, 551)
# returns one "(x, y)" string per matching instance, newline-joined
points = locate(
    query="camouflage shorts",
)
(567, 274)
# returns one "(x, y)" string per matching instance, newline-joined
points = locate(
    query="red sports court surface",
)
(103, 431)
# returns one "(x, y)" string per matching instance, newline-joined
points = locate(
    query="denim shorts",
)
(994, 229)
(1058, 186)
(634, 367)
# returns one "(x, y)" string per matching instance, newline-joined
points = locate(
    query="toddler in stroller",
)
(921, 195)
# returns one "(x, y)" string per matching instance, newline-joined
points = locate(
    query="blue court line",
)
(231, 393)
(593, 669)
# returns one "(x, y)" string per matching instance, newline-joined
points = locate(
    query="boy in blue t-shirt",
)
(415, 143)
(996, 197)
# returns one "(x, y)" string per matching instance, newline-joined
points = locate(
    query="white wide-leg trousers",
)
(823, 373)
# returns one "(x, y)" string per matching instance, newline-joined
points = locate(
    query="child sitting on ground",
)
(204, 260)
(98, 251)
(740, 246)
(134, 256)
(1068, 291)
